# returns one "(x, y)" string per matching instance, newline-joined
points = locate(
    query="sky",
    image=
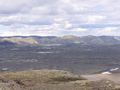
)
(59, 17)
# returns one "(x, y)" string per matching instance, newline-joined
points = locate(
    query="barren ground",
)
(112, 77)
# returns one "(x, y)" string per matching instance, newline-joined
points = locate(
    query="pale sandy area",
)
(112, 77)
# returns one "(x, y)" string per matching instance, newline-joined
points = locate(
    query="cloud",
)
(107, 31)
(59, 17)
(79, 30)
(8, 33)
(68, 25)
(95, 18)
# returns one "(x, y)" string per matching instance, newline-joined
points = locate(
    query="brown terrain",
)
(113, 77)
(56, 80)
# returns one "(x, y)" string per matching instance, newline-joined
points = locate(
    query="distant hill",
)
(110, 39)
(38, 37)
(6, 43)
(37, 40)
(118, 36)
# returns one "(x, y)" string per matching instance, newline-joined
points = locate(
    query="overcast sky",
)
(59, 17)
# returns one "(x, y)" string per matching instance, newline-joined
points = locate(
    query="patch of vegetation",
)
(51, 80)
(34, 77)
(67, 79)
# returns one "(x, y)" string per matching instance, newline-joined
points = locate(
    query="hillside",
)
(37, 40)
(20, 40)
(51, 80)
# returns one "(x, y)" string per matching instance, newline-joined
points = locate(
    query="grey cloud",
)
(89, 14)
(13, 6)
(99, 25)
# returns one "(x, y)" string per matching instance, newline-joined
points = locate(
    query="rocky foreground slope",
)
(51, 80)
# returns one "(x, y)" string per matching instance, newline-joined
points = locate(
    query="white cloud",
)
(95, 18)
(68, 25)
(79, 30)
(8, 33)
(59, 17)
(107, 31)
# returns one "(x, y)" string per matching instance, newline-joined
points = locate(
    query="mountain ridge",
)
(37, 40)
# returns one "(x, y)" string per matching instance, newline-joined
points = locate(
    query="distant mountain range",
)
(118, 36)
(37, 40)
(38, 37)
